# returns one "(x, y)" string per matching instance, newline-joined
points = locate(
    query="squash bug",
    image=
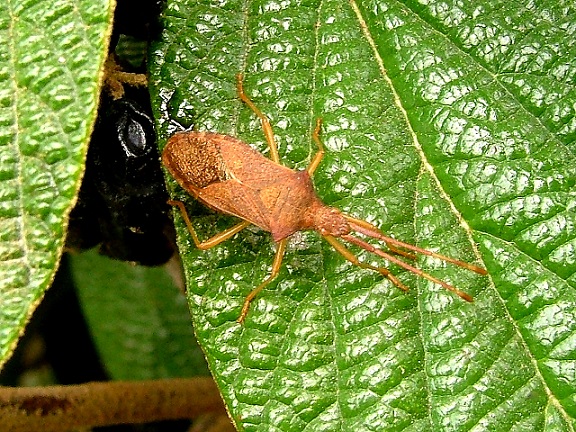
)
(229, 176)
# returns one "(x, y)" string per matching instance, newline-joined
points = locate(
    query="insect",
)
(229, 176)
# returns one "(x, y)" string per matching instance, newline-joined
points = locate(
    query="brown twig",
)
(60, 408)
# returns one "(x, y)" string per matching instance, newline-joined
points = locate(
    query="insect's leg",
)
(212, 241)
(268, 133)
(281, 249)
(342, 250)
(320, 153)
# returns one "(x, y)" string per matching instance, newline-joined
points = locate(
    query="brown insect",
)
(229, 176)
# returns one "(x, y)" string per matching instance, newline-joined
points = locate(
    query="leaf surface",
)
(449, 125)
(138, 318)
(51, 55)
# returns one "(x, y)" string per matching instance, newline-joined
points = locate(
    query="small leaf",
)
(51, 55)
(450, 125)
(139, 319)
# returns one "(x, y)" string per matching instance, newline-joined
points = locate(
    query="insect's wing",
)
(278, 203)
(234, 198)
(258, 190)
(244, 164)
(253, 184)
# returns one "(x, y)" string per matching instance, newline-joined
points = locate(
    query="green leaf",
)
(138, 318)
(450, 125)
(51, 55)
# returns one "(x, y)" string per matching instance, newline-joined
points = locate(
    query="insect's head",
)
(330, 221)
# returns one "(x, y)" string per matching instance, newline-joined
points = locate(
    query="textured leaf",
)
(138, 318)
(450, 125)
(50, 59)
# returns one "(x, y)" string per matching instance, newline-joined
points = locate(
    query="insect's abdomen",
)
(194, 159)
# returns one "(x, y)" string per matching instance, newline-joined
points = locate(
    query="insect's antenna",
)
(388, 257)
(370, 230)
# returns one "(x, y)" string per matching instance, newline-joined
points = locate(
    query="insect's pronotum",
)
(229, 176)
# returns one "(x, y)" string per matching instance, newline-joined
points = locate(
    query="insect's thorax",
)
(194, 159)
(302, 209)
